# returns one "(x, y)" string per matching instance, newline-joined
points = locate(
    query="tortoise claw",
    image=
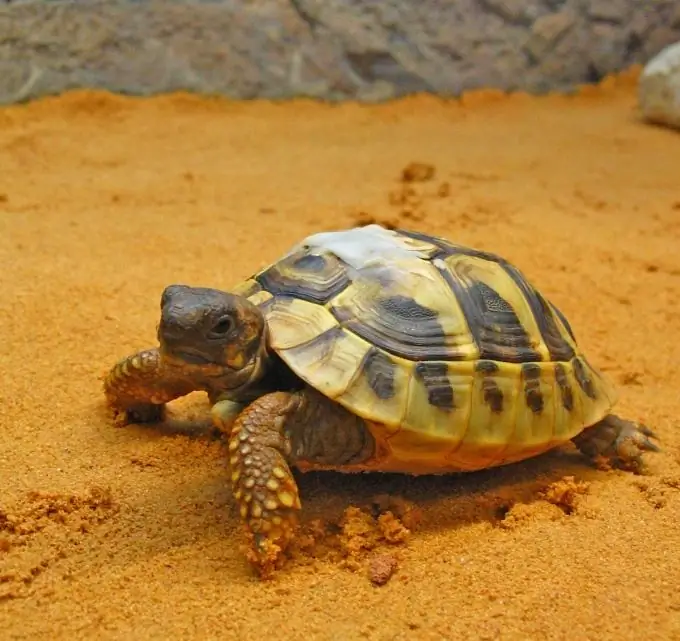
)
(634, 439)
(141, 414)
(617, 441)
(264, 552)
(643, 429)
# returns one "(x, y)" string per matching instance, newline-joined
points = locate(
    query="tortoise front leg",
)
(261, 479)
(273, 432)
(138, 387)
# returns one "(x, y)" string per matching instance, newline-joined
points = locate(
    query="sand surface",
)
(131, 533)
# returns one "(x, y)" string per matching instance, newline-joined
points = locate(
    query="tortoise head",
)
(216, 338)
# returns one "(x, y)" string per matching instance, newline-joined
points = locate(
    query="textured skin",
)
(138, 387)
(263, 484)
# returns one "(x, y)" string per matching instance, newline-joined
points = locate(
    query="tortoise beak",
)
(185, 355)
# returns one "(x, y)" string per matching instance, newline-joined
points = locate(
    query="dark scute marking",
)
(322, 278)
(558, 348)
(401, 326)
(486, 367)
(493, 301)
(584, 381)
(565, 322)
(379, 370)
(407, 309)
(496, 327)
(493, 323)
(531, 371)
(565, 389)
(532, 389)
(448, 248)
(533, 397)
(310, 262)
(493, 396)
(434, 377)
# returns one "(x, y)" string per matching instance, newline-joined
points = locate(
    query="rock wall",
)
(331, 49)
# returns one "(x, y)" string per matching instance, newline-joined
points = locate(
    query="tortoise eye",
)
(222, 327)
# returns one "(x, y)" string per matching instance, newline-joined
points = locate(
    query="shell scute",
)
(315, 278)
(329, 362)
(297, 321)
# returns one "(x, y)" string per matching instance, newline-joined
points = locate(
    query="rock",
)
(330, 49)
(519, 11)
(546, 32)
(381, 568)
(609, 45)
(609, 10)
(657, 39)
(659, 88)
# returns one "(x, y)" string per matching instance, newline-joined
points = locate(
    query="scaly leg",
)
(138, 387)
(616, 440)
(271, 434)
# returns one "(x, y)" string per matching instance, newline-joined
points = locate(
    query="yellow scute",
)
(293, 322)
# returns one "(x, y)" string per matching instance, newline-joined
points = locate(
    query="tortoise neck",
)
(267, 373)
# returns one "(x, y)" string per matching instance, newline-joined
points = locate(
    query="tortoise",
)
(373, 349)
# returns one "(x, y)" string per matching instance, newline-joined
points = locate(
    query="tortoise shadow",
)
(447, 501)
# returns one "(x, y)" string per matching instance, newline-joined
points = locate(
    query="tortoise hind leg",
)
(617, 441)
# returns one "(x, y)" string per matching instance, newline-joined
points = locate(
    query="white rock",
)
(659, 88)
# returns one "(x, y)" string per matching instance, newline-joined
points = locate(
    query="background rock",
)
(659, 88)
(334, 49)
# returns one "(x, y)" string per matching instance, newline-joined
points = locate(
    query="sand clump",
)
(365, 538)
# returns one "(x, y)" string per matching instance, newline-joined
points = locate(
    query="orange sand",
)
(130, 533)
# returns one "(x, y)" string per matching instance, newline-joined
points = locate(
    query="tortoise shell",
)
(453, 358)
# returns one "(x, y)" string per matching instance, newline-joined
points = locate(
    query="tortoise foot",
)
(137, 388)
(262, 481)
(123, 416)
(268, 503)
(617, 442)
(265, 549)
(270, 519)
